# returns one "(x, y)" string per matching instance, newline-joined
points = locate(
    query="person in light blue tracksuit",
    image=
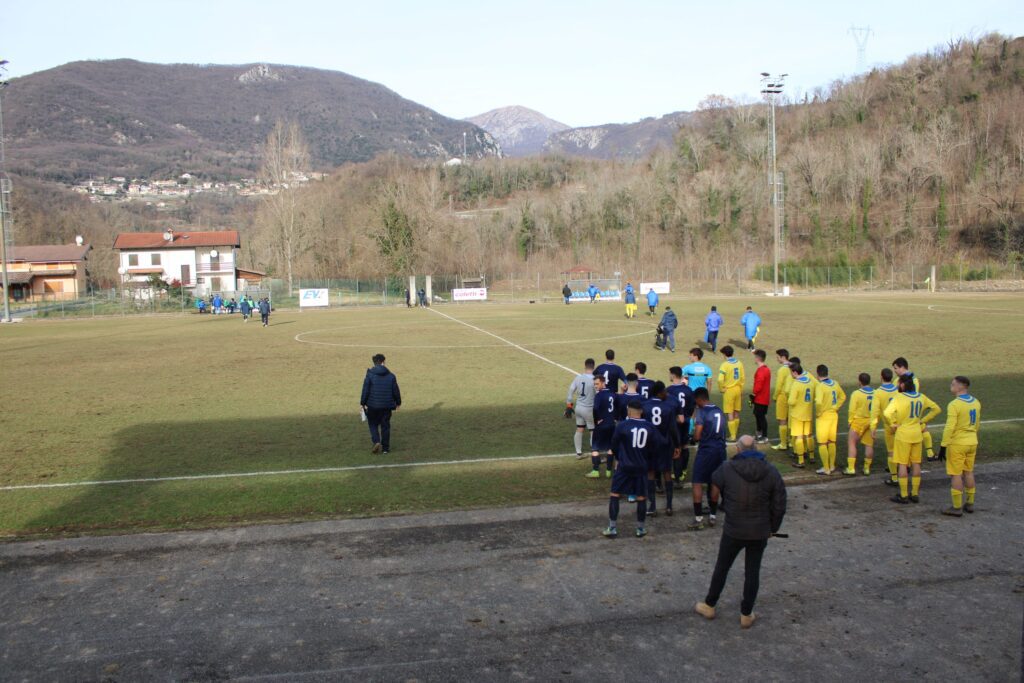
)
(592, 292)
(652, 301)
(713, 322)
(751, 326)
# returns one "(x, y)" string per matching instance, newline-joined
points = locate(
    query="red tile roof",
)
(182, 240)
(48, 253)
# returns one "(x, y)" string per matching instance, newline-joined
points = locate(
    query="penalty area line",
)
(348, 468)
(502, 339)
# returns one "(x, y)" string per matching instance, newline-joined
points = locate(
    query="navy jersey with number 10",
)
(635, 443)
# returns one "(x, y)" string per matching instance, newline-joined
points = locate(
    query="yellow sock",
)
(734, 428)
(783, 435)
(915, 485)
(832, 456)
(926, 441)
(867, 467)
(903, 485)
(823, 454)
(798, 448)
(892, 467)
(958, 498)
(970, 496)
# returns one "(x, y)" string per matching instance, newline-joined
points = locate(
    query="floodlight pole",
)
(5, 188)
(772, 87)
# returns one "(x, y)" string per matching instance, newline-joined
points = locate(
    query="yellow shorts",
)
(799, 428)
(907, 453)
(731, 400)
(890, 440)
(631, 310)
(781, 408)
(862, 427)
(826, 426)
(960, 459)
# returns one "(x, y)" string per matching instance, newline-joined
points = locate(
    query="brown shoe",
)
(953, 512)
(376, 448)
(969, 508)
(705, 610)
(747, 621)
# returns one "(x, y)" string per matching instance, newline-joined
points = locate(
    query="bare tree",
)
(285, 157)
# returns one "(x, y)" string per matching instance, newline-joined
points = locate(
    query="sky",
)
(581, 63)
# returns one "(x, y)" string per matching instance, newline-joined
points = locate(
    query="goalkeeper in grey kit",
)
(580, 402)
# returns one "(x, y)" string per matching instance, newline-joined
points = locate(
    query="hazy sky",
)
(578, 62)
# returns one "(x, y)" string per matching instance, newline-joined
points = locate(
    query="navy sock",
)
(713, 506)
(697, 510)
(652, 494)
(595, 462)
(610, 462)
(613, 508)
(669, 490)
(641, 515)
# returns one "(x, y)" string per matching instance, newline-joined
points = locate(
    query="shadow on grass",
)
(173, 449)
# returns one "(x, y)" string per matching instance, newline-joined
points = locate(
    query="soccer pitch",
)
(167, 405)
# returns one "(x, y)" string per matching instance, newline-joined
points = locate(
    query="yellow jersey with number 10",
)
(908, 412)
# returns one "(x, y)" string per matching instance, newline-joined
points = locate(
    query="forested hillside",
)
(917, 162)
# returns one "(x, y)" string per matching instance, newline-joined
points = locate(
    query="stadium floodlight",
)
(771, 89)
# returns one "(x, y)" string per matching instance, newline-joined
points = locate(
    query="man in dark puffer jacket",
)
(754, 500)
(380, 396)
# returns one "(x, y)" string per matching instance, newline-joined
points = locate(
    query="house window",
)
(214, 284)
(133, 259)
(215, 262)
(53, 286)
(154, 259)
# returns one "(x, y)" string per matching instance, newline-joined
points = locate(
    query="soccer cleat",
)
(867, 472)
(891, 482)
(780, 447)
(579, 456)
(652, 512)
(631, 499)
(593, 474)
(695, 526)
(764, 439)
(705, 610)
(668, 512)
(953, 512)
(747, 620)
(610, 532)
(608, 474)
(711, 520)
(969, 508)
(850, 472)
(900, 499)
(799, 465)
(385, 452)
(915, 499)
(821, 470)
(376, 448)
(640, 533)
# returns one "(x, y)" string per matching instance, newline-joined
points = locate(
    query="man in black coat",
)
(379, 398)
(754, 500)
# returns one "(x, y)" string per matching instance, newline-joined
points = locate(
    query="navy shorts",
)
(662, 460)
(708, 460)
(629, 482)
(602, 439)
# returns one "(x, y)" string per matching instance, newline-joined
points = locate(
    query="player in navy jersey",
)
(634, 442)
(662, 413)
(710, 437)
(605, 410)
(612, 373)
(629, 393)
(683, 395)
(643, 384)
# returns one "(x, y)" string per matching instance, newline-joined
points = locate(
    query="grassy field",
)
(171, 396)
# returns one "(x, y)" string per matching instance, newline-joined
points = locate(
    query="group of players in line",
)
(640, 428)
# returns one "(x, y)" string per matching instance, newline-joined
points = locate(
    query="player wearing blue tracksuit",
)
(652, 301)
(634, 442)
(592, 292)
(668, 324)
(661, 413)
(751, 326)
(630, 295)
(713, 323)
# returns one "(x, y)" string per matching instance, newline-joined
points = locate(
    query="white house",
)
(203, 261)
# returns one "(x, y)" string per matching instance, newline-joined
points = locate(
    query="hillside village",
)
(157, 192)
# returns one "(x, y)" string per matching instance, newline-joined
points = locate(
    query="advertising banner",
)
(470, 294)
(309, 298)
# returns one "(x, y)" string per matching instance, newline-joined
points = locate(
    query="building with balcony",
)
(47, 272)
(202, 261)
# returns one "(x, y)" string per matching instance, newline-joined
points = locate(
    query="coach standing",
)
(380, 396)
(754, 500)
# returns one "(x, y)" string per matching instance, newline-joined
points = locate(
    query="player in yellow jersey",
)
(801, 410)
(829, 397)
(862, 425)
(901, 367)
(960, 445)
(883, 395)
(908, 414)
(731, 377)
(809, 441)
(782, 381)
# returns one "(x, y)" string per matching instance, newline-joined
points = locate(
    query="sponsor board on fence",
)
(658, 287)
(470, 294)
(309, 298)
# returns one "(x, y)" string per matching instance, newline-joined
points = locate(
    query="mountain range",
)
(618, 140)
(130, 118)
(520, 131)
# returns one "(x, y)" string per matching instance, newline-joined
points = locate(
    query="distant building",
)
(203, 261)
(47, 272)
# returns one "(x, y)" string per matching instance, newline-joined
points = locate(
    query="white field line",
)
(510, 343)
(348, 468)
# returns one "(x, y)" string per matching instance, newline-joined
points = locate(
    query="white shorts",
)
(585, 417)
